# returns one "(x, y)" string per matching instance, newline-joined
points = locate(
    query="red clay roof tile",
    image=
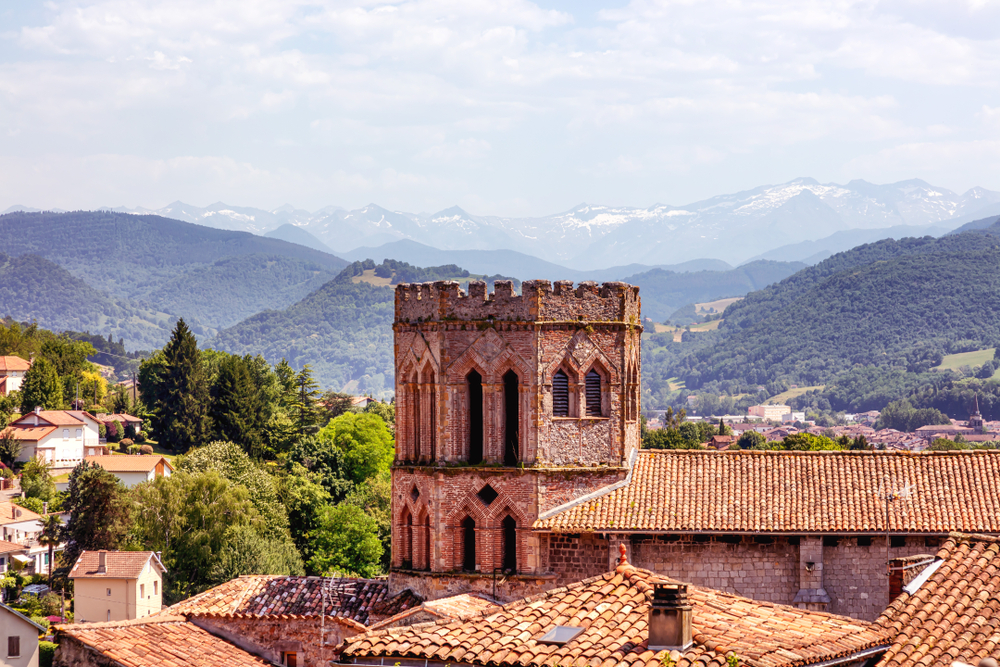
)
(118, 564)
(796, 492)
(955, 614)
(159, 641)
(613, 608)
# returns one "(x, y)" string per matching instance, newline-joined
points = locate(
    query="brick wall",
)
(434, 586)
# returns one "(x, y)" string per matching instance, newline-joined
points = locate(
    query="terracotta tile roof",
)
(129, 463)
(119, 565)
(13, 364)
(455, 608)
(794, 492)
(11, 513)
(954, 614)
(30, 433)
(363, 600)
(158, 641)
(614, 609)
(52, 417)
(11, 547)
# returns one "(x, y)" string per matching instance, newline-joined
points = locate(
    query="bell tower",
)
(507, 406)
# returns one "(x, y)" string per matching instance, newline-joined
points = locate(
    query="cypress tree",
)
(41, 387)
(183, 396)
(307, 411)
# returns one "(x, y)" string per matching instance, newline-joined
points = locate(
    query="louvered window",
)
(560, 394)
(593, 394)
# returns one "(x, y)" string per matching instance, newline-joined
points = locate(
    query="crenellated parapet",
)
(540, 300)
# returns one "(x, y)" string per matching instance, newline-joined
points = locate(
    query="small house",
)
(19, 635)
(117, 585)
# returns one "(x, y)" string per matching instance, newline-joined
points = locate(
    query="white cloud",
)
(500, 101)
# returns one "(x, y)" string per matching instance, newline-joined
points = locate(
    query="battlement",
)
(540, 300)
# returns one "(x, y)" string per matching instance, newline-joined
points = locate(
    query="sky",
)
(503, 107)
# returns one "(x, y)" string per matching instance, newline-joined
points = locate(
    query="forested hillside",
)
(892, 305)
(663, 292)
(343, 331)
(211, 277)
(33, 288)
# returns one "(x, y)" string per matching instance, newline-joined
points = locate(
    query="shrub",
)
(113, 446)
(126, 442)
(102, 430)
(140, 437)
(146, 449)
(36, 505)
(46, 653)
(41, 620)
(133, 449)
(130, 431)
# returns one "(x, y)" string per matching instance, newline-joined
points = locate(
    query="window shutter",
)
(593, 394)
(13, 647)
(560, 394)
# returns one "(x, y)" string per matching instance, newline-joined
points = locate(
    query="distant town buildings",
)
(775, 412)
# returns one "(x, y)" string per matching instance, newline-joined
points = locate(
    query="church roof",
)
(678, 491)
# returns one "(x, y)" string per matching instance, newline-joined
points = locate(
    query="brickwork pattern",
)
(272, 636)
(444, 337)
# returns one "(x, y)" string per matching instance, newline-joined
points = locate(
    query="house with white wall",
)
(134, 469)
(12, 370)
(61, 437)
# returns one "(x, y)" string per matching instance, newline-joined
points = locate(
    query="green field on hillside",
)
(953, 362)
(786, 396)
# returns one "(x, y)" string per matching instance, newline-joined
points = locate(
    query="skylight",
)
(561, 634)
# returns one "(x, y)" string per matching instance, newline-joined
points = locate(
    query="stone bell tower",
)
(507, 406)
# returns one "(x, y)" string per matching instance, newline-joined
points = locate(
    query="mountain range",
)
(733, 227)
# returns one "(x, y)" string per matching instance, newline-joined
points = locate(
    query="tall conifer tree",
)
(183, 397)
(237, 412)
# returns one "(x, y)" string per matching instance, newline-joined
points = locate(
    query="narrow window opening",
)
(593, 382)
(560, 394)
(417, 423)
(427, 543)
(469, 544)
(897, 541)
(512, 453)
(475, 385)
(408, 542)
(509, 544)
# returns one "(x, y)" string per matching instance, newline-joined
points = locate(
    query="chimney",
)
(102, 562)
(669, 618)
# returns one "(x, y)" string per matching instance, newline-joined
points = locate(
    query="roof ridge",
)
(832, 452)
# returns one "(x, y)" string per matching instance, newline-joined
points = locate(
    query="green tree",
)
(36, 479)
(751, 440)
(667, 438)
(375, 498)
(860, 443)
(186, 516)
(365, 442)
(10, 447)
(231, 462)
(245, 551)
(807, 442)
(723, 429)
(41, 387)
(305, 498)
(307, 410)
(99, 512)
(181, 400)
(346, 542)
(238, 412)
(387, 411)
(324, 461)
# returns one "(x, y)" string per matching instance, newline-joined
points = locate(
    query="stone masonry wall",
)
(270, 636)
(434, 586)
(853, 576)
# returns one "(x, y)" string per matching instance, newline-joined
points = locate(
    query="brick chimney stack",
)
(670, 618)
(102, 562)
